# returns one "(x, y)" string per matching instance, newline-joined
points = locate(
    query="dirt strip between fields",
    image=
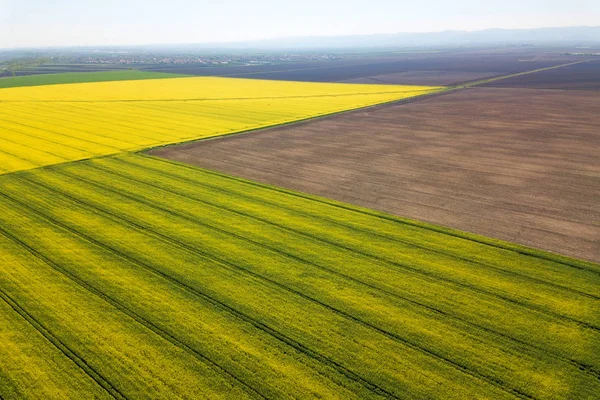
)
(515, 164)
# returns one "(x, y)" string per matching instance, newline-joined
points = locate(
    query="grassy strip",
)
(81, 77)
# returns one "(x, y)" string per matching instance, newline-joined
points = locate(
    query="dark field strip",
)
(81, 77)
(169, 280)
(584, 76)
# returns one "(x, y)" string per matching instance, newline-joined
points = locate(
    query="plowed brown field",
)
(516, 164)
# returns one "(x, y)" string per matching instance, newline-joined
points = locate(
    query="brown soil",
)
(516, 164)
(584, 76)
(433, 78)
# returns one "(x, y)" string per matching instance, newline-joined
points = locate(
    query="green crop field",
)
(129, 276)
(81, 77)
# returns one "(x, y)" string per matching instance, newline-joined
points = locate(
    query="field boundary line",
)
(502, 77)
(53, 339)
(442, 90)
(127, 149)
(410, 99)
(317, 217)
(207, 298)
(500, 244)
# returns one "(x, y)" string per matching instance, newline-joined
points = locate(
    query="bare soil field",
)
(448, 67)
(515, 164)
(443, 78)
(584, 76)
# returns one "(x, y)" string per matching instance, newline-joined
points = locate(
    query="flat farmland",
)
(171, 281)
(424, 77)
(433, 68)
(516, 164)
(125, 275)
(52, 124)
(584, 76)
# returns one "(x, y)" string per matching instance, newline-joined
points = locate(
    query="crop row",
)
(229, 287)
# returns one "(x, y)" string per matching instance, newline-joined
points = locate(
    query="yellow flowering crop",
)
(46, 125)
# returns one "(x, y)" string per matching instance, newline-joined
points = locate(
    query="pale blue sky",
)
(106, 22)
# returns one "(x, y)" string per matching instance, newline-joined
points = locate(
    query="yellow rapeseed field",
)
(45, 125)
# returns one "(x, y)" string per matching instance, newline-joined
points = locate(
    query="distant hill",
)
(578, 36)
(569, 35)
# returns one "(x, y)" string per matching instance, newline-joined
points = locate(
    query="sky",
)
(43, 23)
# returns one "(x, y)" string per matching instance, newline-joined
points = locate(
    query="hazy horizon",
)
(62, 23)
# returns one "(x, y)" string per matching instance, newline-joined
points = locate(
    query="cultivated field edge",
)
(543, 254)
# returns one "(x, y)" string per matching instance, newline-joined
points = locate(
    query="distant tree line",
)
(10, 67)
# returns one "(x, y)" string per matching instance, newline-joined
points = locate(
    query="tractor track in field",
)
(332, 203)
(131, 314)
(53, 339)
(47, 140)
(54, 117)
(212, 301)
(63, 134)
(458, 366)
(402, 266)
(220, 261)
(141, 228)
(329, 221)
